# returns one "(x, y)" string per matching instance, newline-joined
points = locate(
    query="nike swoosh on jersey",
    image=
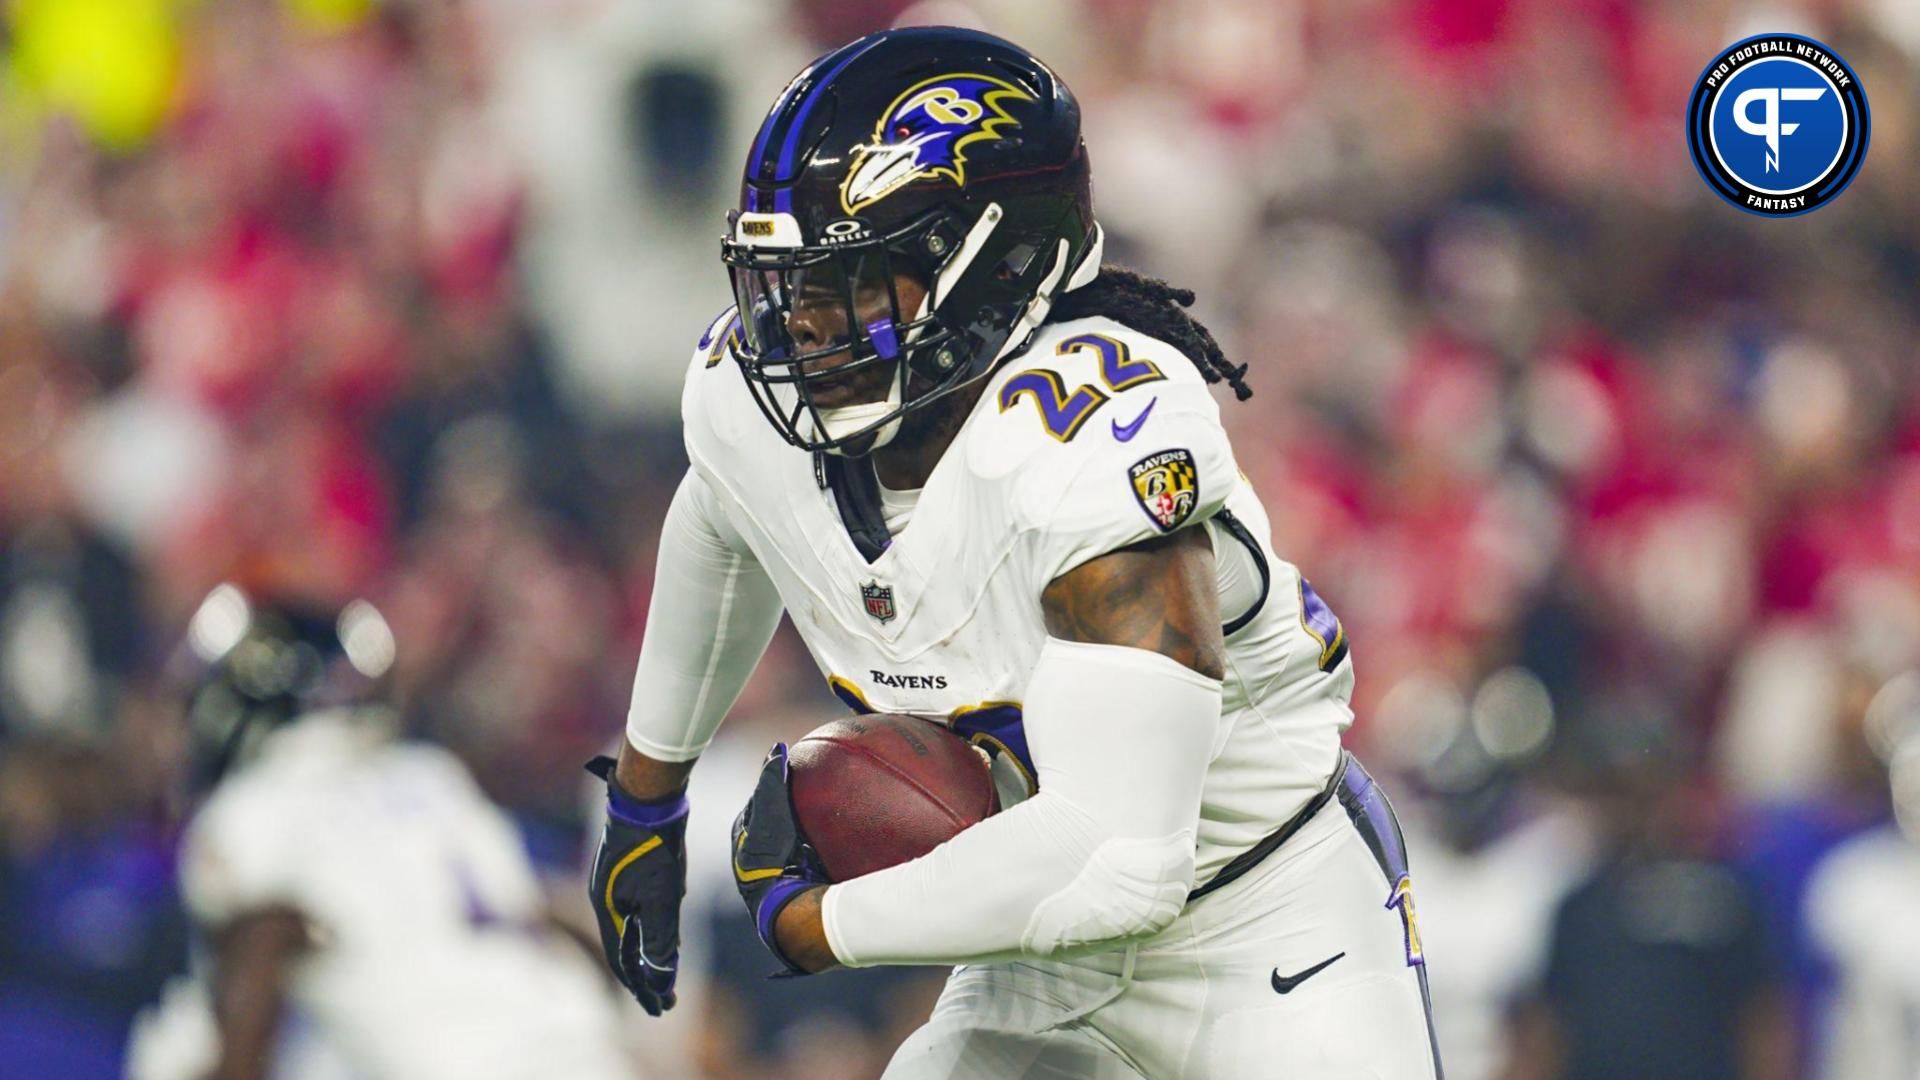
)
(1284, 984)
(1126, 432)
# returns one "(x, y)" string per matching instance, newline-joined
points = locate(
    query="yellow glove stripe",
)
(745, 875)
(619, 920)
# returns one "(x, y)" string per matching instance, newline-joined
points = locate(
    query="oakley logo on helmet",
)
(845, 231)
(925, 132)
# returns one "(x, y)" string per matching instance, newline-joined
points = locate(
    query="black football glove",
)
(772, 862)
(639, 876)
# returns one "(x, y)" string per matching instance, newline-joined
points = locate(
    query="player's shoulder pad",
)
(716, 409)
(1101, 436)
(235, 853)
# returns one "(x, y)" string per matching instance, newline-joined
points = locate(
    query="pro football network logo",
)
(878, 599)
(1168, 487)
(926, 132)
(1778, 125)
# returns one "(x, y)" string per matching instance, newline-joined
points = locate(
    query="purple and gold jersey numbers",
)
(1063, 414)
(1118, 369)
(1323, 626)
(722, 344)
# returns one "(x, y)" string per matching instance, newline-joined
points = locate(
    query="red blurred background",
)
(1616, 488)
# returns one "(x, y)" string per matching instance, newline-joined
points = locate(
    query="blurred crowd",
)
(1616, 489)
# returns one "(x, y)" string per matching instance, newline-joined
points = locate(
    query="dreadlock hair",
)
(1157, 309)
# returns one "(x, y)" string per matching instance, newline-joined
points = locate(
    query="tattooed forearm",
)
(1158, 595)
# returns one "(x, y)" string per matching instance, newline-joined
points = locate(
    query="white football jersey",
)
(430, 959)
(1094, 438)
(1859, 912)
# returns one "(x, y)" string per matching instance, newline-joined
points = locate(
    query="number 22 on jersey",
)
(1063, 413)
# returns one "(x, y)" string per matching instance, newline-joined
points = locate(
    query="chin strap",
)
(838, 423)
(1089, 267)
(1036, 313)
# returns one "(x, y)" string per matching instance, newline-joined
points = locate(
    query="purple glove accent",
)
(646, 813)
(771, 862)
(629, 810)
(774, 902)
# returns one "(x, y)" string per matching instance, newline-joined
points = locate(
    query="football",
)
(873, 791)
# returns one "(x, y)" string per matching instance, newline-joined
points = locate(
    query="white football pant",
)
(1202, 999)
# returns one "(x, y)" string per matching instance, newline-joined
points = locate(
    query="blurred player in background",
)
(1659, 961)
(1495, 860)
(366, 911)
(1859, 910)
(983, 475)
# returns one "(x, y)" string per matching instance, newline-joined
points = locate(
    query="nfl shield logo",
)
(879, 600)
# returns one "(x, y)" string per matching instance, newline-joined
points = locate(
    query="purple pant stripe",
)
(1372, 816)
(1371, 813)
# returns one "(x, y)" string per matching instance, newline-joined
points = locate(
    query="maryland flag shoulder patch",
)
(1168, 487)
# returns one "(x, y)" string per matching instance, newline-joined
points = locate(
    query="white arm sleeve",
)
(1121, 738)
(712, 613)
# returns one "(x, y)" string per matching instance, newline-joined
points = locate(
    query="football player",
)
(1857, 914)
(361, 885)
(983, 475)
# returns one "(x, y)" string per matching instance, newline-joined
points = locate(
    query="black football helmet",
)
(254, 667)
(946, 154)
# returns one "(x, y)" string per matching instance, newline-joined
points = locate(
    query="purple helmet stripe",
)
(754, 157)
(783, 198)
(759, 159)
(800, 118)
